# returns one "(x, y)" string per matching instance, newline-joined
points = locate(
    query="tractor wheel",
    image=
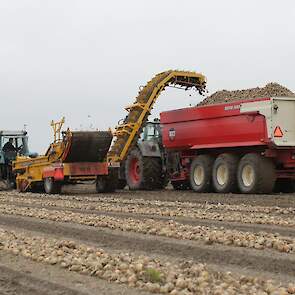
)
(107, 183)
(256, 174)
(144, 172)
(201, 174)
(134, 168)
(224, 175)
(51, 186)
(154, 178)
(181, 185)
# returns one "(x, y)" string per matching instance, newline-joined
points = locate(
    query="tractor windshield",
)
(19, 143)
(150, 132)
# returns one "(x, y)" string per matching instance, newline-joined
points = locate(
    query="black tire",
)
(283, 185)
(51, 186)
(101, 184)
(181, 185)
(104, 185)
(107, 183)
(201, 183)
(224, 173)
(144, 173)
(154, 179)
(256, 174)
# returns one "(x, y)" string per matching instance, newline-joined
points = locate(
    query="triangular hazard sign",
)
(278, 132)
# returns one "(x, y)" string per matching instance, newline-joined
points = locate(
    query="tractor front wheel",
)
(144, 173)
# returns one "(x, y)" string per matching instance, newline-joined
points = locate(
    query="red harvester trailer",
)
(243, 146)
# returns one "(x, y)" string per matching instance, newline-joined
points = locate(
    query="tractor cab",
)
(150, 141)
(18, 140)
(151, 131)
(12, 144)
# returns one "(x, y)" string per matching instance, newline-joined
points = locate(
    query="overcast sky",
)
(85, 59)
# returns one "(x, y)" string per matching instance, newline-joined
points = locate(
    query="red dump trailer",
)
(243, 146)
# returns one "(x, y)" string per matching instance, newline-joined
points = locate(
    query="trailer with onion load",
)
(244, 146)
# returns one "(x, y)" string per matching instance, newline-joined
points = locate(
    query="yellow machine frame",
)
(31, 170)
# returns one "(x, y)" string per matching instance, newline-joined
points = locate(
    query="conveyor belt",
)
(87, 146)
(128, 131)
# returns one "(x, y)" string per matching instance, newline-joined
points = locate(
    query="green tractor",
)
(144, 167)
(12, 143)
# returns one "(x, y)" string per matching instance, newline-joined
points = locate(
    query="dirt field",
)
(163, 242)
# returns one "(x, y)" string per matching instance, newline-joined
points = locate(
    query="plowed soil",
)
(24, 274)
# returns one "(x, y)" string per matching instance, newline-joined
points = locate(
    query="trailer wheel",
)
(51, 186)
(224, 175)
(100, 184)
(181, 185)
(107, 183)
(144, 172)
(201, 174)
(256, 174)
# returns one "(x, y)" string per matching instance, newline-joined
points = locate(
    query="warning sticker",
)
(172, 134)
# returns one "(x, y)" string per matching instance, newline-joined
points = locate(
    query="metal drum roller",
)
(87, 146)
